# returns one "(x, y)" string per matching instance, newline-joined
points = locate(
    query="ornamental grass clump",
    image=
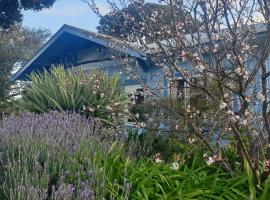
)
(90, 93)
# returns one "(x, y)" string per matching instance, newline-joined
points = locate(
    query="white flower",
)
(228, 56)
(109, 108)
(142, 125)
(155, 13)
(235, 118)
(210, 161)
(200, 67)
(223, 105)
(191, 140)
(91, 109)
(229, 112)
(150, 120)
(238, 70)
(260, 96)
(175, 166)
(248, 99)
(226, 95)
(158, 160)
(243, 122)
(137, 115)
(245, 77)
(255, 133)
(188, 108)
(215, 48)
(102, 95)
(246, 113)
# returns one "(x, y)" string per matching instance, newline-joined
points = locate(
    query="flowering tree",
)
(223, 61)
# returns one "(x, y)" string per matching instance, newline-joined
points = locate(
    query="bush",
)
(91, 93)
(65, 156)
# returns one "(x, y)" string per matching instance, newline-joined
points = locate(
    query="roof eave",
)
(74, 31)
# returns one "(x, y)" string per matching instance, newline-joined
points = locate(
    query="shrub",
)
(91, 93)
(65, 156)
(51, 155)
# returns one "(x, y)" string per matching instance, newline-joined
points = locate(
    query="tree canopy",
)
(10, 10)
(130, 20)
(16, 46)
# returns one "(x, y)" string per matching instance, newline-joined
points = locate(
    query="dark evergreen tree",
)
(129, 21)
(10, 10)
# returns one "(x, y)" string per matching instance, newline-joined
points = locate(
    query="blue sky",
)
(72, 12)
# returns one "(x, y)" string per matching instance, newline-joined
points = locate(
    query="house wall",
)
(92, 54)
(116, 67)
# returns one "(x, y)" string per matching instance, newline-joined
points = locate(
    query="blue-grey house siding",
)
(74, 47)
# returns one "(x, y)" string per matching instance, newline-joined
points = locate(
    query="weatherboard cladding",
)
(69, 39)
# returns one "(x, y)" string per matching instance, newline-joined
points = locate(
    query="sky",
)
(72, 12)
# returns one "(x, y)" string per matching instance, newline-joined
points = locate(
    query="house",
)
(74, 47)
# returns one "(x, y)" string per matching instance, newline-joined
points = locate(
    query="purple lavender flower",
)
(87, 194)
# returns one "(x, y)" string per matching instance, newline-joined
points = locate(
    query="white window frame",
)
(171, 88)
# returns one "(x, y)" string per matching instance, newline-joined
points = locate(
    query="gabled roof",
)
(47, 52)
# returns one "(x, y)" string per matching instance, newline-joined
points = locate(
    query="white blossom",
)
(191, 140)
(188, 109)
(238, 70)
(142, 125)
(175, 166)
(229, 112)
(109, 108)
(210, 160)
(223, 105)
(158, 160)
(200, 67)
(243, 122)
(226, 95)
(260, 96)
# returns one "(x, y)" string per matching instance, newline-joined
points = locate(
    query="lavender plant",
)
(66, 156)
(51, 155)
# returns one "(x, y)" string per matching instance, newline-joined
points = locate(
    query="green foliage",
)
(112, 23)
(38, 166)
(158, 181)
(16, 46)
(10, 11)
(92, 93)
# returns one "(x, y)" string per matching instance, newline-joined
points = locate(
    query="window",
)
(177, 88)
(135, 92)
